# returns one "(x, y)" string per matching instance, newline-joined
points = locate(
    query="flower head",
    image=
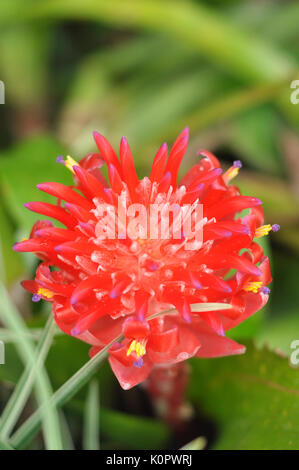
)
(154, 300)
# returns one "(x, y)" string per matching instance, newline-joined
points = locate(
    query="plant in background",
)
(154, 302)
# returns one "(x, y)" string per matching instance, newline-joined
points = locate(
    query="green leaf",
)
(246, 56)
(24, 53)
(279, 204)
(254, 137)
(5, 446)
(133, 432)
(24, 166)
(254, 398)
(11, 264)
(21, 393)
(28, 429)
(74, 354)
(278, 333)
(14, 321)
(91, 435)
(11, 371)
(197, 444)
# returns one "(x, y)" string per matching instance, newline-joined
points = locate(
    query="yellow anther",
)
(142, 349)
(253, 286)
(138, 347)
(131, 347)
(262, 231)
(45, 293)
(231, 173)
(70, 162)
(24, 239)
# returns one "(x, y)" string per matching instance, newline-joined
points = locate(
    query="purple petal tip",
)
(75, 331)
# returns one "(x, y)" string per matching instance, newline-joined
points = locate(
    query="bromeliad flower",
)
(155, 301)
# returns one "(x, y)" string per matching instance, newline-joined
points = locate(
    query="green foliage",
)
(133, 432)
(253, 397)
(22, 168)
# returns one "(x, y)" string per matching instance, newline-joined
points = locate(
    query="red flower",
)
(152, 294)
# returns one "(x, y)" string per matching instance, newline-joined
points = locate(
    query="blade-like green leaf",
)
(23, 435)
(91, 435)
(4, 446)
(197, 444)
(13, 320)
(23, 389)
(202, 28)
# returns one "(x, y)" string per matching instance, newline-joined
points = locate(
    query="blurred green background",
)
(146, 69)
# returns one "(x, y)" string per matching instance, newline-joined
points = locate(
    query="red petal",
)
(207, 178)
(89, 184)
(55, 212)
(159, 162)
(79, 213)
(57, 234)
(231, 205)
(128, 377)
(252, 303)
(134, 328)
(165, 341)
(107, 151)
(176, 155)
(213, 345)
(33, 244)
(98, 281)
(186, 346)
(66, 193)
(115, 179)
(127, 165)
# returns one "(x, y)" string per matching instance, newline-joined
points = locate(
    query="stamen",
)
(265, 229)
(132, 347)
(70, 163)
(36, 298)
(233, 171)
(138, 363)
(265, 290)
(253, 286)
(138, 347)
(60, 159)
(42, 292)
